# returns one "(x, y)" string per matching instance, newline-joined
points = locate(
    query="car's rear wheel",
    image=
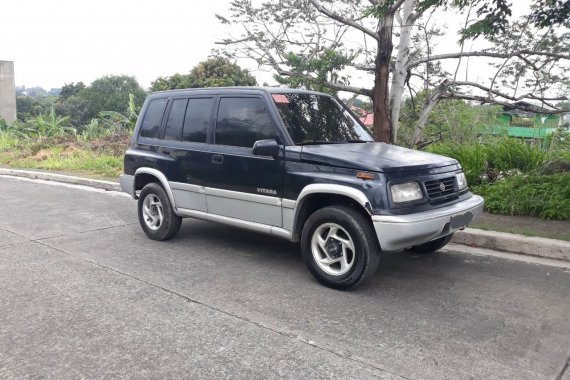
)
(340, 247)
(156, 215)
(431, 246)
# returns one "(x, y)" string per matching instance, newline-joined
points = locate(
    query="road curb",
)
(105, 185)
(501, 241)
(514, 243)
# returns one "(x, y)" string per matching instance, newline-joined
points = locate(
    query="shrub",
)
(544, 196)
(472, 158)
(509, 153)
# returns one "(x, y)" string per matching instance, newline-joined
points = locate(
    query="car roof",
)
(240, 89)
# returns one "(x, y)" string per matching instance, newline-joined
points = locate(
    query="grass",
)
(97, 159)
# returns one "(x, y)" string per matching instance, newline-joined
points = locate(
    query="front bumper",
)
(396, 232)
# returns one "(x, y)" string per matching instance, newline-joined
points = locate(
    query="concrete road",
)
(84, 294)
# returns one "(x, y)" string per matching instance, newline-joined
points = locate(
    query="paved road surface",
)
(83, 293)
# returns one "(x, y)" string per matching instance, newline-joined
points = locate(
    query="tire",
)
(347, 236)
(156, 216)
(431, 246)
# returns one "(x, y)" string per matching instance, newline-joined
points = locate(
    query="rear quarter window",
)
(150, 126)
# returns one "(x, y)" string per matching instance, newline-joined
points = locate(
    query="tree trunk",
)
(430, 103)
(382, 122)
(399, 73)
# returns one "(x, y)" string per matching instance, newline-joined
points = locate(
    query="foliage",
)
(472, 157)
(325, 65)
(76, 108)
(117, 121)
(507, 153)
(450, 120)
(214, 72)
(50, 125)
(29, 107)
(542, 196)
(71, 89)
(111, 93)
(497, 157)
(560, 139)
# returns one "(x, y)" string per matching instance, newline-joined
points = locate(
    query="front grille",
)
(441, 190)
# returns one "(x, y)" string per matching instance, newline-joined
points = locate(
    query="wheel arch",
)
(317, 196)
(144, 176)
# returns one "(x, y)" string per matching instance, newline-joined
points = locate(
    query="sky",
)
(59, 41)
(53, 42)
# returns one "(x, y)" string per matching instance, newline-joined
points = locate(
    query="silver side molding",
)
(258, 227)
(238, 195)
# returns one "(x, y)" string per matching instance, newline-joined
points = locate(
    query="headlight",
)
(461, 181)
(406, 192)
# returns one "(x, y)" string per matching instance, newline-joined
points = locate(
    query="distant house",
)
(533, 126)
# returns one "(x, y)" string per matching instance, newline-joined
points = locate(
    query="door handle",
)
(217, 159)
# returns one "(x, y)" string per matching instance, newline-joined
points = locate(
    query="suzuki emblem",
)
(442, 186)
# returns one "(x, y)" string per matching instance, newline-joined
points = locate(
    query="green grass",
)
(80, 161)
(543, 196)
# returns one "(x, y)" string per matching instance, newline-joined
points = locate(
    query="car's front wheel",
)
(340, 247)
(156, 215)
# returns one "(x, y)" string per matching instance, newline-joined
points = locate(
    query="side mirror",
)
(266, 148)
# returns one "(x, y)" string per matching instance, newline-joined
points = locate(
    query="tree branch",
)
(520, 53)
(506, 96)
(344, 20)
(486, 100)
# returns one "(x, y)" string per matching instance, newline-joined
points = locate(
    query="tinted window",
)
(197, 119)
(175, 119)
(243, 121)
(317, 118)
(153, 116)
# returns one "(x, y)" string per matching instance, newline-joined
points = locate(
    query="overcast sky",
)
(56, 41)
(53, 42)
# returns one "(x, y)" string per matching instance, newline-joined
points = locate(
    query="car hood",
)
(379, 157)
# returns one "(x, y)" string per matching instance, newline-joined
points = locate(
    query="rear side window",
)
(175, 119)
(243, 121)
(150, 126)
(197, 119)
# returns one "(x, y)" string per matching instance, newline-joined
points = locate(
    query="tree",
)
(111, 93)
(214, 72)
(296, 37)
(71, 89)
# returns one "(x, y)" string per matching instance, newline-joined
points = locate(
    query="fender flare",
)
(328, 188)
(161, 177)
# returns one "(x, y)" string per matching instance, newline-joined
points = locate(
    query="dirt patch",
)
(42, 155)
(115, 145)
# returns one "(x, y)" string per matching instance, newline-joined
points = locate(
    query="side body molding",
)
(161, 178)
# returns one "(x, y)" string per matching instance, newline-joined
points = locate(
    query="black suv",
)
(294, 164)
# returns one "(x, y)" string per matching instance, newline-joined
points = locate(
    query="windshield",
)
(318, 119)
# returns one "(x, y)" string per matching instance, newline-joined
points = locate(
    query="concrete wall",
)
(7, 91)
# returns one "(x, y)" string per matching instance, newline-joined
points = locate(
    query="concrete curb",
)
(500, 241)
(105, 185)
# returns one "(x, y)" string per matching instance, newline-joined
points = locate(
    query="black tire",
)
(170, 222)
(431, 246)
(366, 255)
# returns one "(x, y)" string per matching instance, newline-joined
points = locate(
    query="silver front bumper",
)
(396, 232)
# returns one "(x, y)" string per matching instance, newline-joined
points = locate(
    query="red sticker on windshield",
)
(280, 98)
